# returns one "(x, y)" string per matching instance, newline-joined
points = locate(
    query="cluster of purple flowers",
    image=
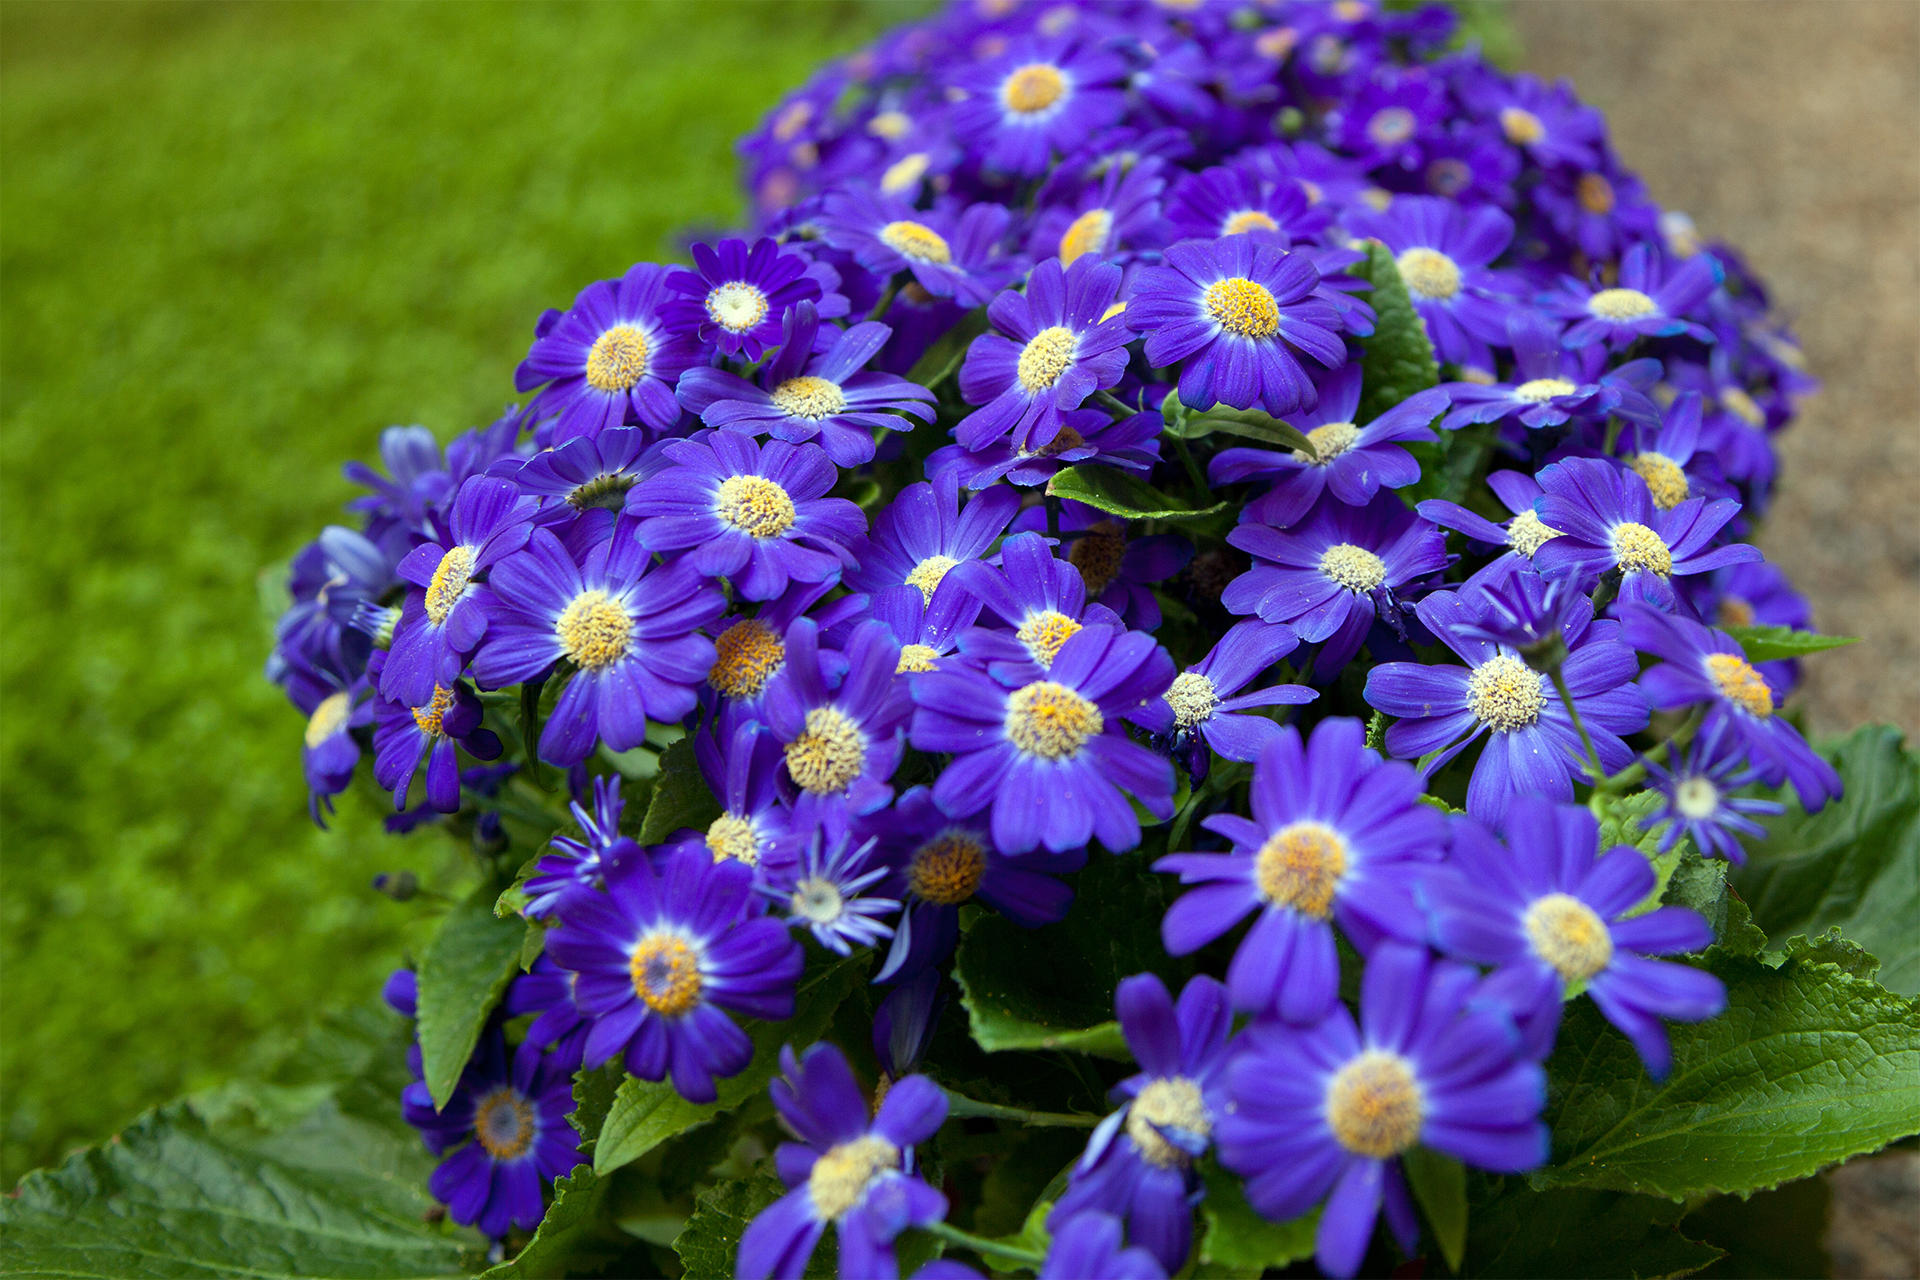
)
(798, 504)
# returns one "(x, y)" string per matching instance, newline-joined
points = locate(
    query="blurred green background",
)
(235, 242)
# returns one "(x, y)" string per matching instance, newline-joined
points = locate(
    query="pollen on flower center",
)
(666, 974)
(1595, 193)
(916, 241)
(1505, 694)
(1033, 88)
(1696, 798)
(1522, 127)
(754, 505)
(737, 306)
(1391, 125)
(1737, 402)
(1355, 568)
(1740, 684)
(1429, 274)
(617, 359)
(1567, 934)
(905, 173)
(1168, 1102)
(1088, 233)
(1047, 355)
(329, 718)
(829, 753)
(1044, 633)
(503, 1124)
(891, 125)
(947, 869)
(840, 1178)
(1638, 549)
(595, 631)
(1329, 441)
(1300, 866)
(1192, 697)
(1248, 220)
(1541, 390)
(1051, 721)
(1527, 533)
(915, 658)
(1374, 1105)
(730, 836)
(817, 900)
(927, 575)
(808, 397)
(746, 656)
(449, 583)
(1621, 304)
(608, 491)
(1665, 480)
(1244, 307)
(430, 717)
(1097, 554)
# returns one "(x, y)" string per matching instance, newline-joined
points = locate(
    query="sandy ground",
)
(1789, 127)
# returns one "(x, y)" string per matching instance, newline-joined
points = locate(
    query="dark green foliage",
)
(467, 967)
(1770, 644)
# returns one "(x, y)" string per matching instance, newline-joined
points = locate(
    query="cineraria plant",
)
(1159, 668)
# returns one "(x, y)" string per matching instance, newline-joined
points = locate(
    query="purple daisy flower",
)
(660, 953)
(1042, 599)
(1139, 1163)
(1238, 200)
(1112, 219)
(630, 631)
(802, 396)
(1390, 120)
(927, 630)
(334, 707)
(1521, 536)
(1444, 253)
(558, 1028)
(587, 473)
(841, 736)
(580, 865)
(755, 514)
(949, 256)
(1088, 436)
(1554, 128)
(737, 296)
(1532, 747)
(1089, 1244)
(1702, 665)
(609, 360)
(1236, 311)
(1700, 789)
(1035, 101)
(1050, 756)
(1332, 1107)
(1551, 385)
(1352, 462)
(444, 619)
(1119, 571)
(1200, 708)
(515, 1110)
(741, 767)
(1609, 522)
(1051, 347)
(404, 737)
(825, 891)
(924, 532)
(1337, 835)
(1670, 458)
(846, 1170)
(333, 581)
(1651, 299)
(750, 652)
(1331, 576)
(1549, 905)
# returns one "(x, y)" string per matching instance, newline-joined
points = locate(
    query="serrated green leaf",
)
(573, 1237)
(681, 797)
(1771, 644)
(1237, 1240)
(593, 1092)
(646, 1113)
(1855, 865)
(1117, 493)
(1398, 360)
(467, 966)
(709, 1245)
(1439, 1184)
(172, 1197)
(1701, 883)
(1808, 1065)
(1577, 1235)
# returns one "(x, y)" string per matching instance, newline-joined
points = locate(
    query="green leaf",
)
(710, 1244)
(1810, 1064)
(648, 1112)
(1398, 360)
(1032, 1236)
(172, 1197)
(1439, 1183)
(467, 966)
(594, 1090)
(1573, 1235)
(1701, 883)
(1237, 1240)
(943, 358)
(1770, 644)
(1855, 865)
(1250, 423)
(681, 797)
(1118, 493)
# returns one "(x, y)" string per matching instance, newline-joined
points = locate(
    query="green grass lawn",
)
(236, 242)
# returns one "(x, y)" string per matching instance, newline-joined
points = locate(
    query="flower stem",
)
(1113, 404)
(886, 297)
(982, 1245)
(1195, 476)
(959, 1105)
(1593, 757)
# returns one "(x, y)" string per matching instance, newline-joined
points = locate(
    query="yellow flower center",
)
(1737, 402)
(1329, 442)
(1192, 697)
(609, 491)
(927, 575)
(1735, 612)
(915, 658)
(1374, 1106)
(1276, 43)
(746, 656)
(431, 716)
(1429, 274)
(329, 718)
(808, 397)
(916, 241)
(737, 306)
(1088, 233)
(617, 359)
(1033, 88)
(1638, 549)
(1595, 194)
(666, 974)
(1522, 127)
(1665, 480)
(1300, 867)
(1248, 220)
(1696, 798)
(503, 1123)
(1051, 721)
(1113, 309)
(754, 505)
(1541, 390)
(891, 125)
(1621, 304)
(1355, 568)
(449, 583)
(1567, 934)
(1243, 307)
(1505, 694)
(829, 753)
(1527, 533)
(730, 836)
(947, 869)
(595, 631)
(1394, 124)
(1740, 684)
(840, 1178)
(1168, 1102)
(1046, 356)
(1044, 633)
(1097, 554)
(905, 173)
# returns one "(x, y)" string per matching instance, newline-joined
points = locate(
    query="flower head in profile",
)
(1652, 298)
(432, 733)
(926, 531)
(334, 706)
(738, 295)
(950, 255)
(1551, 385)
(1205, 710)
(609, 360)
